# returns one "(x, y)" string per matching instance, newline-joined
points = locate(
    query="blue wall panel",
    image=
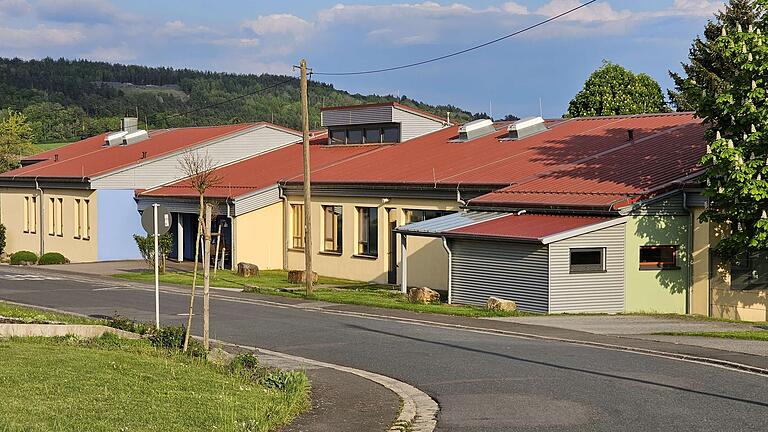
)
(118, 221)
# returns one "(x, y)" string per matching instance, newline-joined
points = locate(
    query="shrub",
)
(23, 258)
(146, 245)
(172, 338)
(52, 258)
(2, 238)
(122, 323)
(284, 380)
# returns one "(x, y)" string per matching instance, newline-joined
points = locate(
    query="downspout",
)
(450, 270)
(232, 265)
(286, 222)
(689, 253)
(41, 220)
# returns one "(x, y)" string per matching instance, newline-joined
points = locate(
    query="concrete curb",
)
(418, 413)
(51, 330)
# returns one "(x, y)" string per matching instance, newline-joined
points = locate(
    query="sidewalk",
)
(108, 268)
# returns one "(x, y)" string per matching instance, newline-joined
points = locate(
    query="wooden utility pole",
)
(206, 275)
(308, 274)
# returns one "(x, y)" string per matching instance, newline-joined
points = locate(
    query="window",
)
(587, 260)
(59, 217)
(750, 271)
(368, 231)
(332, 228)
(658, 257)
(26, 214)
(55, 226)
(76, 219)
(355, 136)
(30, 215)
(412, 216)
(297, 213)
(390, 134)
(86, 224)
(338, 137)
(372, 135)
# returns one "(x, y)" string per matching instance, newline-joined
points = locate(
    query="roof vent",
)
(476, 128)
(526, 127)
(129, 124)
(114, 138)
(134, 137)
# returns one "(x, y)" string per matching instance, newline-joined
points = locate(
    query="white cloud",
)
(596, 12)
(114, 54)
(514, 8)
(697, 7)
(40, 36)
(429, 9)
(279, 24)
(14, 7)
(178, 28)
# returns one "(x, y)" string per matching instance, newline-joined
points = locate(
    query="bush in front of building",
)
(24, 258)
(146, 245)
(52, 258)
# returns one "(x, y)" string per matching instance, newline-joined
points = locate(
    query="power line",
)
(214, 105)
(466, 50)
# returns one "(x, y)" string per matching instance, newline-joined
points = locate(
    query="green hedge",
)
(23, 257)
(52, 258)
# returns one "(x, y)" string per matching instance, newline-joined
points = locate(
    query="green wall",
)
(663, 291)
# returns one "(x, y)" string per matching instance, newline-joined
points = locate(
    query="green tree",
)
(733, 103)
(16, 139)
(614, 90)
(707, 68)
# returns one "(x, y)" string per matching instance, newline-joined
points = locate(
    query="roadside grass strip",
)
(754, 335)
(331, 290)
(32, 315)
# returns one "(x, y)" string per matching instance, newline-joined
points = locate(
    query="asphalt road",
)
(483, 382)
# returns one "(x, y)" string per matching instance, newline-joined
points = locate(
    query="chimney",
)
(631, 135)
(129, 124)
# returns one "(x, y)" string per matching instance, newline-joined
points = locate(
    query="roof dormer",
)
(381, 123)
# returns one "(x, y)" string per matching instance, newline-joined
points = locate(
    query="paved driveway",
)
(483, 382)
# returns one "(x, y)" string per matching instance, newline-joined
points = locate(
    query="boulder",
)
(245, 269)
(297, 276)
(423, 295)
(500, 305)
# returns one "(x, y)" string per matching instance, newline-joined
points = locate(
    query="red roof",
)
(613, 178)
(527, 227)
(435, 159)
(87, 158)
(264, 170)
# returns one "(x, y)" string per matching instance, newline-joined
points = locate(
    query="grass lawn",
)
(274, 282)
(113, 384)
(34, 315)
(757, 335)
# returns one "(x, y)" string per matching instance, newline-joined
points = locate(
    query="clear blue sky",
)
(550, 63)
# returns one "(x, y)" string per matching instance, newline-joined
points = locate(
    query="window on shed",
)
(338, 137)
(390, 134)
(750, 271)
(587, 260)
(658, 257)
(372, 135)
(355, 136)
(368, 231)
(332, 229)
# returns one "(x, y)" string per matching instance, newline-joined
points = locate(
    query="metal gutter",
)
(450, 270)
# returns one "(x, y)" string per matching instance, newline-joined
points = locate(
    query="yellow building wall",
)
(427, 260)
(700, 303)
(65, 242)
(258, 237)
(745, 305)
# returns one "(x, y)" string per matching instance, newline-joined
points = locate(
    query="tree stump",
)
(247, 270)
(297, 277)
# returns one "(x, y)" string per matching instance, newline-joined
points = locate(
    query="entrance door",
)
(392, 271)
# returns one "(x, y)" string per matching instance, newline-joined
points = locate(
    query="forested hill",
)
(67, 99)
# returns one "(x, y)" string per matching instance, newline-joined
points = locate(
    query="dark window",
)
(412, 216)
(373, 135)
(368, 231)
(590, 260)
(355, 136)
(658, 257)
(750, 271)
(338, 137)
(332, 229)
(391, 134)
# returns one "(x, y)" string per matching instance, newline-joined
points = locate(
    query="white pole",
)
(157, 269)
(404, 269)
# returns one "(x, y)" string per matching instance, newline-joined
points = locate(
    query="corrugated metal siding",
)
(166, 169)
(449, 222)
(413, 125)
(696, 199)
(668, 205)
(354, 116)
(588, 292)
(513, 271)
(257, 200)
